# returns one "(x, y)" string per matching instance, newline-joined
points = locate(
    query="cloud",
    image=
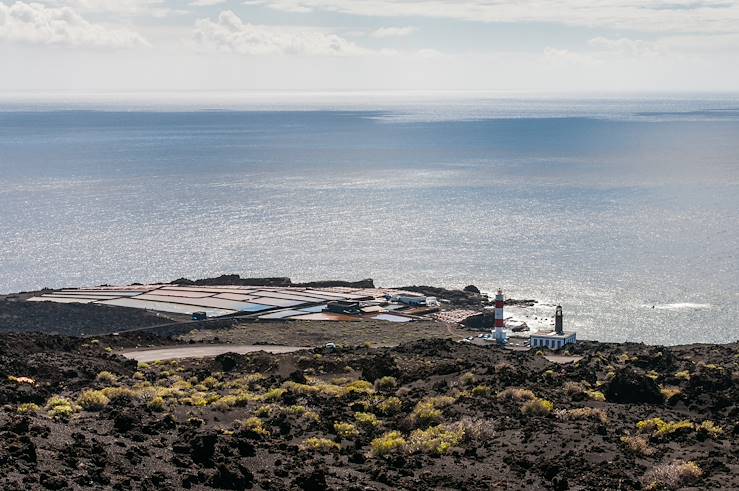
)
(229, 33)
(37, 24)
(392, 32)
(154, 8)
(625, 46)
(644, 15)
(206, 3)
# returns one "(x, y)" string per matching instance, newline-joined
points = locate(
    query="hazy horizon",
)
(574, 45)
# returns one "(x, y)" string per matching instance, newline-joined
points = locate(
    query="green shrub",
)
(114, 393)
(595, 395)
(107, 377)
(367, 420)
(346, 430)
(660, 429)
(427, 410)
(389, 443)
(255, 425)
(481, 390)
(320, 445)
(437, 440)
(60, 407)
(386, 382)
(391, 405)
(710, 428)
(468, 378)
(274, 394)
(93, 400)
(156, 404)
(28, 408)
(682, 375)
(537, 407)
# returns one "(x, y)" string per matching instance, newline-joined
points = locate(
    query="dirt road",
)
(202, 351)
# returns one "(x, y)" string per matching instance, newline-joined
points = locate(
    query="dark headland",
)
(385, 406)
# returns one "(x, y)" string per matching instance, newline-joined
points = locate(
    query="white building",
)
(552, 340)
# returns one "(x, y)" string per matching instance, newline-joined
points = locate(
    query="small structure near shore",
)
(556, 339)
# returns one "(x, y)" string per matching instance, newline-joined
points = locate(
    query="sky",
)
(345, 45)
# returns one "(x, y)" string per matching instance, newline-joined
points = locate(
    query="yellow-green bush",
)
(28, 408)
(537, 407)
(320, 445)
(710, 428)
(426, 413)
(367, 420)
(660, 428)
(437, 440)
(481, 390)
(427, 410)
(389, 443)
(274, 394)
(156, 404)
(682, 375)
(387, 382)
(391, 405)
(467, 378)
(255, 425)
(107, 377)
(114, 393)
(346, 430)
(93, 400)
(595, 395)
(224, 403)
(60, 407)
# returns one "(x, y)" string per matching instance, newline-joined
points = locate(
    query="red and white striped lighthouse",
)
(499, 320)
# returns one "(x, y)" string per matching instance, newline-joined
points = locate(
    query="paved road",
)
(203, 351)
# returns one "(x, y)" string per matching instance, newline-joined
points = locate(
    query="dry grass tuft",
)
(537, 407)
(673, 475)
(637, 445)
(93, 400)
(516, 394)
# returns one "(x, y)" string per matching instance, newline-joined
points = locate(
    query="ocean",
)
(624, 210)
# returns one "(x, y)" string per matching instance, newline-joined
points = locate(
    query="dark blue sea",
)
(624, 210)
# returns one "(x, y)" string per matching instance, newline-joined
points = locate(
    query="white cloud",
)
(625, 46)
(391, 32)
(206, 3)
(129, 8)
(643, 15)
(229, 33)
(37, 24)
